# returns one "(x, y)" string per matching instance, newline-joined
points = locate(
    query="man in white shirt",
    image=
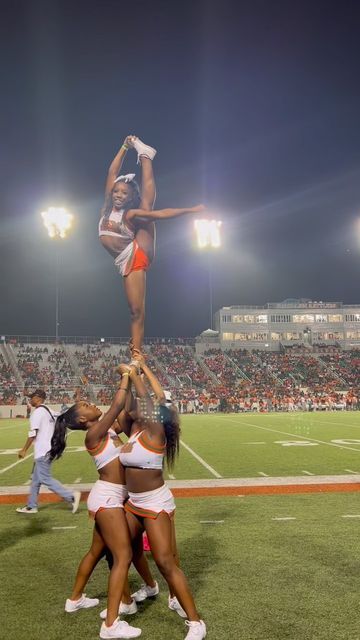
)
(42, 423)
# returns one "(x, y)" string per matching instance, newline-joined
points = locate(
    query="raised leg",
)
(148, 188)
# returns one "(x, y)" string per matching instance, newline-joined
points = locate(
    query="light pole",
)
(57, 222)
(208, 237)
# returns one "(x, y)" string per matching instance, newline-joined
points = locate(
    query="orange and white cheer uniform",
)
(106, 495)
(132, 257)
(139, 452)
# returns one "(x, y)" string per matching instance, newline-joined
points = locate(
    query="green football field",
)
(273, 567)
(228, 446)
(255, 574)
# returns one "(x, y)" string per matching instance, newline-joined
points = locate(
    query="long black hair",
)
(169, 417)
(65, 421)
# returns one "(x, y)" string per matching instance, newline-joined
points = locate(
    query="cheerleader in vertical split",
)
(127, 230)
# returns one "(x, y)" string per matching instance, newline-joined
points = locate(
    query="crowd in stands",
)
(298, 378)
(8, 389)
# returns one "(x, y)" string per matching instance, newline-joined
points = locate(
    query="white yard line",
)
(264, 475)
(15, 463)
(73, 527)
(197, 457)
(348, 515)
(77, 480)
(293, 435)
(171, 476)
(288, 518)
(308, 473)
(211, 521)
(350, 471)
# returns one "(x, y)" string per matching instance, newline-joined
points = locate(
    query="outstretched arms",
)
(161, 214)
(99, 430)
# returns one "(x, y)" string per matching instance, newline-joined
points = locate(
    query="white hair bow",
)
(127, 178)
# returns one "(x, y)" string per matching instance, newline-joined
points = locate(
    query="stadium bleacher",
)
(235, 380)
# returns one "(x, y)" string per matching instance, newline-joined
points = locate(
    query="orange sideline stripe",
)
(198, 492)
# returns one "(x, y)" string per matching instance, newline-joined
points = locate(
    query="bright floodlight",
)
(208, 233)
(57, 221)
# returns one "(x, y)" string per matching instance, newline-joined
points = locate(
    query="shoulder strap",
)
(43, 406)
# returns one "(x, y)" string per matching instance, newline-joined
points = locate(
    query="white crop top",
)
(106, 450)
(114, 225)
(141, 453)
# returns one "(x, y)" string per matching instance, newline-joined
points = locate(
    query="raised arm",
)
(154, 382)
(113, 172)
(161, 214)
(100, 429)
(125, 419)
(147, 409)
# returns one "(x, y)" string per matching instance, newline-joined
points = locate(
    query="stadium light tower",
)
(208, 238)
(58, 222)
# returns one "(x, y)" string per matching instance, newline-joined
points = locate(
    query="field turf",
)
(271, 567)
(233, 446)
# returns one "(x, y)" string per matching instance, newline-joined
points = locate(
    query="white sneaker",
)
(125, 609)
(144, 150)
(174, 605)
(76, 501)
(82, 603)
(27, 510)
(145, 592)
(119, 629)
(197, 630)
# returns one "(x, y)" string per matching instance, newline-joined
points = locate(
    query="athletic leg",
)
(87, 565)
(148, 189)
(160, 538)
(135, 289)
(139, 561)
(115, 533)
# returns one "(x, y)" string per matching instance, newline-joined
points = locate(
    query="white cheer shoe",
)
(197, 630)
(145, 592)
(174, 605)
(144, 150)
(83, 603)
(119, 629)
(124, 609)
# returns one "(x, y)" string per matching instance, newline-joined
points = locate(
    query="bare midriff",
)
(113, 244)
(113, 472)
(140, 480)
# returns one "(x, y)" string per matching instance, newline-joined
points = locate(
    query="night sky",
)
(254, 108)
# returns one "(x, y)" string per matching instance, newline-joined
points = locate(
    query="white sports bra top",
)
(141, 453)
(106, 450)
(114, 225)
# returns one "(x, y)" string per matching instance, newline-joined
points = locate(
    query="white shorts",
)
(106, 495)
(151, 503)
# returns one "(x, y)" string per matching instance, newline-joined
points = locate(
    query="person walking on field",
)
(42, 423)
